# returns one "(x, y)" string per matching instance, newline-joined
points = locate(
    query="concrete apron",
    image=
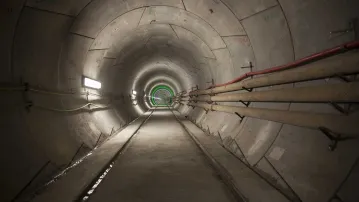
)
(162, 164)
(68, 187)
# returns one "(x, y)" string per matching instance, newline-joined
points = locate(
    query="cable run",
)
(49, 92)
(329, 52)
(86, 106)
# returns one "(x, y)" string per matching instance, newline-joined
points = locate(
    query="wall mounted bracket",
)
(240, 116)
(87, 96)
(220, 136)
(350, 28)
(28, 105)
(337, 198)
(340, 108)
(245, 103)
(250, 66)
(333, 137)
(343, 78)
(209, 132)
(247, 89)
(211, 82)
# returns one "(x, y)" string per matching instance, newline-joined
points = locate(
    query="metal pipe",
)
(339, 93)
(329, 52)
(336, 123)
(343, 64)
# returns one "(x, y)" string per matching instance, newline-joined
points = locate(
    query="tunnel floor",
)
(161, 156)
(162, 163)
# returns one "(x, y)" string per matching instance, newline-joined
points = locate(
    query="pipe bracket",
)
(340, 108)
(212, 108)
(209, 132)
(28, 106)
(343, 78)
(247, 89)
(240, 116)
(211, 93)
(220, 136)
(245, 103)
(337, 198)
(87, 96)
(250, 66)
(333, 137)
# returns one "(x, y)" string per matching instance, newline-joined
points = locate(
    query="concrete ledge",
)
(254, 188)
(73, 183)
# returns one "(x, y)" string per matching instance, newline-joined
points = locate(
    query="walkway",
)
(161, 164)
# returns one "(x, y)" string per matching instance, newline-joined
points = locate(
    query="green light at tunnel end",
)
(160, 87)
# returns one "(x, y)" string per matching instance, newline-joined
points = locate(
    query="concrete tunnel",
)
(146, 53)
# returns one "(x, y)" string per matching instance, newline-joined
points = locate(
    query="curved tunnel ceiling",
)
(139, 45)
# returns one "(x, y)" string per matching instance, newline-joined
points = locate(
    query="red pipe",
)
(325, 53)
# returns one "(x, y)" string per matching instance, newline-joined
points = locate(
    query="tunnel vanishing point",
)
(179, 100)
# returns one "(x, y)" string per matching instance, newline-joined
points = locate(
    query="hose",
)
(51, 92)
(338, 49)
(25, 88)
(72, 110)
(31, 89)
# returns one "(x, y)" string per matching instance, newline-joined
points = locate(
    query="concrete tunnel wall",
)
(137, 44)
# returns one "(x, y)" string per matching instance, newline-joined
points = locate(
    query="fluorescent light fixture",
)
(92, 83)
